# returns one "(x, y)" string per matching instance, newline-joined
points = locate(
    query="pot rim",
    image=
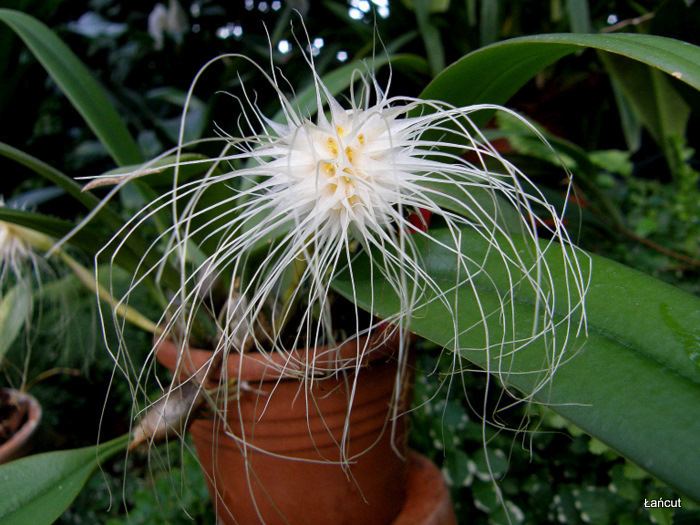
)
(34, 413)
(323, 361)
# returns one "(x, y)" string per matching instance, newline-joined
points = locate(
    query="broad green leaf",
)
(493, 74)
(633, 383)
(77, 83)
(15, 310)
(38, 489)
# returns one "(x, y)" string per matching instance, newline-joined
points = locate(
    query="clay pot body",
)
(427, 496)
(30, 416)
(288, 468)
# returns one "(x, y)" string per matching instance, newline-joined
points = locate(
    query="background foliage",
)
(628, 134)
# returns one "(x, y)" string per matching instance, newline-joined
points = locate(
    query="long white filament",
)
(313, 195)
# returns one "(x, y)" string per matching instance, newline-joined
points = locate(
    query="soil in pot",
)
(280, 460)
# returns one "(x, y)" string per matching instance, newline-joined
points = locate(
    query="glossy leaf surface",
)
(38, 489)
(634, 382)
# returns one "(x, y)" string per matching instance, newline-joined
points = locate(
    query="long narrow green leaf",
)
(656, 103)
(579, 16)
(76, 82)
(631, 126)
(38, 489)
(495, 73)
(87, 238)
(634, 383)
(51, 174)
(488, 22)
(58, 228)
(339, 79)
(430, 35)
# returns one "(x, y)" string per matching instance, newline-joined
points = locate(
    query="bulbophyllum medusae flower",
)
(19, 262)
(22, 269)
(298, 198)
(14, 253)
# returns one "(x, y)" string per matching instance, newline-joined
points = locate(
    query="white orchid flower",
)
(311, 195)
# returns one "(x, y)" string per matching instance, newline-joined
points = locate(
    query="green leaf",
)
(655, 102)
(33, 198)
(76, 82)
(15, 310)
(495, 73)
(160, 173)
(52, 227)
(197, 114)
(579, 16)
(339, 79)
(633, 385)
(489, 22)
(39, 488)
(430, 35)
(631, 126)
(87, 238)
(49, 173)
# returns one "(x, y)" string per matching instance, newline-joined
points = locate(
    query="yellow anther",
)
(349, 153)
(361, 139)
(347, 180)
(340, 130)
(353, 199)
(328, 168)
(332, 146)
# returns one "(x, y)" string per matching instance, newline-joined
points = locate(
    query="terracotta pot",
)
(290, 470)
(29, 415)
(427, 498)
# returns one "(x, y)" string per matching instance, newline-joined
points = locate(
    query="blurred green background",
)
(628, 137)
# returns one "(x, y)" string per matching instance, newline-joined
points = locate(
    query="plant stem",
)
(46, 374)
(127, 312)
(87, 278)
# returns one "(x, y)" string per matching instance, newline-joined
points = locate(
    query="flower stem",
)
(44, 242)
(127, 312)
